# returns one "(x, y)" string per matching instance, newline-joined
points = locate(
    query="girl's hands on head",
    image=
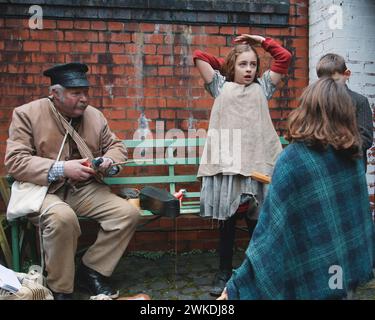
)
(249, 39)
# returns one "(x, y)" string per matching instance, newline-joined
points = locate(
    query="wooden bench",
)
(171, 177)
(173, 172)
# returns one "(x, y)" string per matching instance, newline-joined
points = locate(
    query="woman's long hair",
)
(227, 68)
(326, 116)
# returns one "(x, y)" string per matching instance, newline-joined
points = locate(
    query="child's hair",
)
(326, 116)
(227, 68)
(329, 64)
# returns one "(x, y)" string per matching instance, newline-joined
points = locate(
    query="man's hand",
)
(78, 170)
(249, 39)
(105, 164)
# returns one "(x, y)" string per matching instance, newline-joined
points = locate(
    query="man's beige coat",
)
(35, 138)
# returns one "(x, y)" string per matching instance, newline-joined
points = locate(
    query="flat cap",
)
(68, 75)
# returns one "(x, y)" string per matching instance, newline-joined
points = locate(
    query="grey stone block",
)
(168, 11)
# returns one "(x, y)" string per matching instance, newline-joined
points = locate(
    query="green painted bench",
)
(172, 178)
(168, 180)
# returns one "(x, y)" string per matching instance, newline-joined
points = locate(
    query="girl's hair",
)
(227, 68)
(326, 116)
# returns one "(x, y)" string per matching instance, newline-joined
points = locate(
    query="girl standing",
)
(241, 138)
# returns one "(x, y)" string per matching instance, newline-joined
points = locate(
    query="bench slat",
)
(163, 162)
(189, 210)
(189, 203)
(152, 179)
(145, 213)
(149, 143)
(165, 143)
(192, 195)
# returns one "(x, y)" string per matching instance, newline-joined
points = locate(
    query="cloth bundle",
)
(32, 287)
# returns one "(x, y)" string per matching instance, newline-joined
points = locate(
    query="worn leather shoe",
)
(62, 296)
(94, 282)
(220, 281)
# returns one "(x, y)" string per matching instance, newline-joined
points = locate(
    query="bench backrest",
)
(157, 152)
(165, 152)
(173, 154)
(161, 152)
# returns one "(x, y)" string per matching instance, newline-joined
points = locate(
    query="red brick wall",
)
(167, 86)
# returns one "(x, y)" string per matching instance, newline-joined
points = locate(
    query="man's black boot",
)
(94, 283)
(62, 296)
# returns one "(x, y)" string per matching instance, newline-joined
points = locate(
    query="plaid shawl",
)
(315, 219)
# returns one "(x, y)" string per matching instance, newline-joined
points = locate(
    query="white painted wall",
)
(347, 27)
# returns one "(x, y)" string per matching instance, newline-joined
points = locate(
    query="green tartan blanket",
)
(315, 234)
